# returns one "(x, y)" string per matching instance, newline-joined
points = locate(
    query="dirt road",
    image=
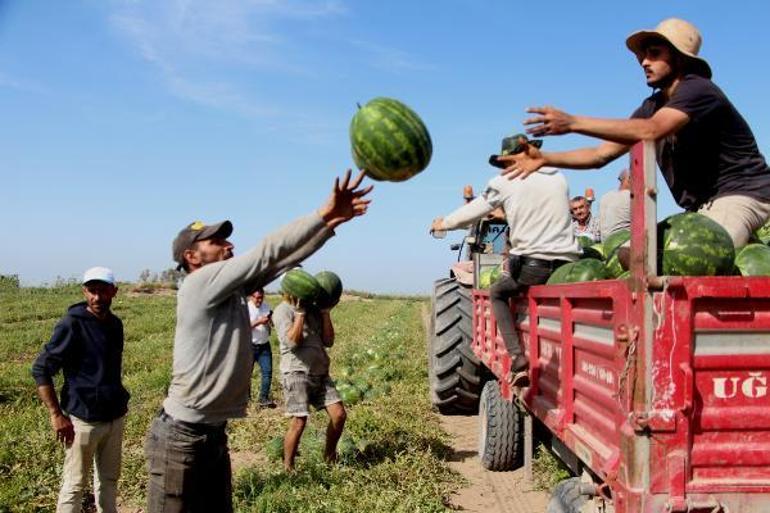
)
(488, 492)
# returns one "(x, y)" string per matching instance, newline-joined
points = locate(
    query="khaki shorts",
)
(739, 215)
(301, 390)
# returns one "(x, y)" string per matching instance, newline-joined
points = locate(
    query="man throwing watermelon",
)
(186, 448)
(540, 235)
(705, 149)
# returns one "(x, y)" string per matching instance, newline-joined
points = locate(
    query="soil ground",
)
(488, 492)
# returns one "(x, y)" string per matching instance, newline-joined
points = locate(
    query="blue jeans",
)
(263, 355)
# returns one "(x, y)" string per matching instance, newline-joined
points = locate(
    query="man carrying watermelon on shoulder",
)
(305, 331)
(541, 238)
(187, 455)
(705, 149)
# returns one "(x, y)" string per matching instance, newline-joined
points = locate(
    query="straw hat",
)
(682, 35)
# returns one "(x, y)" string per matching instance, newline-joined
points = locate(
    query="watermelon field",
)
(393, 453)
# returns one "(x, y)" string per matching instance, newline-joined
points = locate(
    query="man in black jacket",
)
(87, 345)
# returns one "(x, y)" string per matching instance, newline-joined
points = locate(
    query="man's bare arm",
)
(527, 162)
(295, 331)
(551, 121)
(327, 329)
(60, 423)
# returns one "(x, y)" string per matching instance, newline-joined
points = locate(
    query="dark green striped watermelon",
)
(694, 245)
(331, 289)
(754, 260)
(300, 284)
(592, 252)
(587, 269)
(611, 246)
(585, 241)
(763, 234)
(615, 240)
(389, 140)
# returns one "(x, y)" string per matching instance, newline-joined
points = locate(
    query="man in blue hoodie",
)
(88, 419)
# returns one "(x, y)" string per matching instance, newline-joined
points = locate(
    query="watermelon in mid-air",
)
(389, 140)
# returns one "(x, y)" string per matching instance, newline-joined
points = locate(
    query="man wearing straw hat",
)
(705, 149)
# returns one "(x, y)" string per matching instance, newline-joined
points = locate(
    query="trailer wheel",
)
(501, 433)
(566, 498)
(454, 371)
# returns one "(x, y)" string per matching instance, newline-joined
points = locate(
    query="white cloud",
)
(21, 84)
(199, 46)
(217, 53)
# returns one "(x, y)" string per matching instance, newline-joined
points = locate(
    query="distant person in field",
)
(583, 221)
(186, 448)
(540, 235)
(88, 418)
(615, 207)
(305, 332)
(260, 318)
(705, 149)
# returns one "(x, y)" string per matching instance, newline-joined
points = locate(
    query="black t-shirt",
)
(714, 154)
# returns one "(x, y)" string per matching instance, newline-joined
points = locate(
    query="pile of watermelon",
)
(690, 244)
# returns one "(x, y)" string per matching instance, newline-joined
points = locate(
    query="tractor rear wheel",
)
(501, 431)
(453, 369)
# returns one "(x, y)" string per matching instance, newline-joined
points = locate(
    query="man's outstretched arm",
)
(551, 121)
(531, 159)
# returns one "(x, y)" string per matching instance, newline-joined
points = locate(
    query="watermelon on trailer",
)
(300, 284)
(592, 252)
(331, 289)
(754, 260)
(763, 234)
(489, 276)
(694, 245)
(614, 241)
(611, 246)
(587, 269)
(389, 140)
(585, 241)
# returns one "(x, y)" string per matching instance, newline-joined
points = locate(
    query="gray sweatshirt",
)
(536, 209)
(211, 374)
(615, 212)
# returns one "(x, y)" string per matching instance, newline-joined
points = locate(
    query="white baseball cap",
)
(99, 274)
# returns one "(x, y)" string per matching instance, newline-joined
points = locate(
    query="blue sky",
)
(122, 121)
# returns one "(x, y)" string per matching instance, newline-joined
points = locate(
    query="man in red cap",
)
(187, 454)
(705, 149)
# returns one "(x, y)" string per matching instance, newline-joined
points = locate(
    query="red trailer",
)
(654, 389)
